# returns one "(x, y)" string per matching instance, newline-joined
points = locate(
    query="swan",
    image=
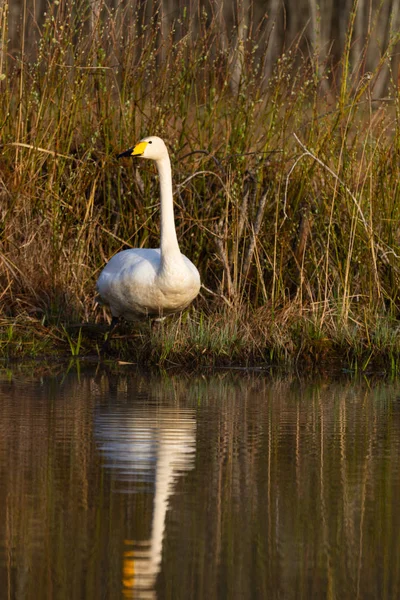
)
(150, 282)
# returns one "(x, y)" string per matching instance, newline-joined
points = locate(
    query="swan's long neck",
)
(169, 242)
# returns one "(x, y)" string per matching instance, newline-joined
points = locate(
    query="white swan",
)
(143, 282)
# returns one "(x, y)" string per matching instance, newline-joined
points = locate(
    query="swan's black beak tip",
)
(126, 153)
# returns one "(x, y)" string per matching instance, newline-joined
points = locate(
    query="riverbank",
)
(227, 338)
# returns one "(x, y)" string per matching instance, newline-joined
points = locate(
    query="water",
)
(238, 486)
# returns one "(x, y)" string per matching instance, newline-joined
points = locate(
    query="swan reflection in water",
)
(146, 448)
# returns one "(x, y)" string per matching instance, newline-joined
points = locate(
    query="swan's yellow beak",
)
(135, 151)
(139, 149)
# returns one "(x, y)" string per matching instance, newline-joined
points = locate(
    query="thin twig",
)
(255, 231)
(31, 147)
(320, 162)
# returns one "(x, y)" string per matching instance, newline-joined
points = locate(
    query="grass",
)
(286, 189)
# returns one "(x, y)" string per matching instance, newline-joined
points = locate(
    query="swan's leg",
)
(156, 323)
(113, 325)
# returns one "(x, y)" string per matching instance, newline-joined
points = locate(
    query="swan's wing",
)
(130, 259)
(138, 265)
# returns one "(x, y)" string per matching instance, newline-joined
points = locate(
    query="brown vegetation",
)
(286, 187)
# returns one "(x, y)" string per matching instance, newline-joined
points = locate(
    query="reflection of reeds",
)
(294, 487)
(286, 193)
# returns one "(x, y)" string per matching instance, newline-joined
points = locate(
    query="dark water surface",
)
(224, 486)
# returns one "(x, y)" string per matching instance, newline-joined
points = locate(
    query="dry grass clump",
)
(286, 189)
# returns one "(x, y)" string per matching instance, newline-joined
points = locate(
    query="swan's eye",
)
(150, 142)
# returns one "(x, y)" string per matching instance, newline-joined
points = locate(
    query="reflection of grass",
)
(287, 196)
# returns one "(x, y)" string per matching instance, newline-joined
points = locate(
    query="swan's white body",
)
(151, 282)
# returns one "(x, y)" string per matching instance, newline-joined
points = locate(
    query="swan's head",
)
(151, 147)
